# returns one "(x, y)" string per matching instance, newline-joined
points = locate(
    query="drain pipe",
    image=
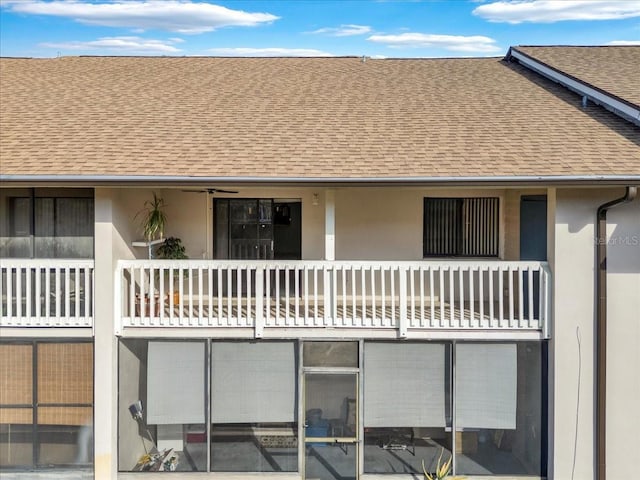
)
(601, 329)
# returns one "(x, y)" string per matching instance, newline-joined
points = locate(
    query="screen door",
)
(331, 426)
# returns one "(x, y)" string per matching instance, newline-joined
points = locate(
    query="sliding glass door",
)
(244, 229)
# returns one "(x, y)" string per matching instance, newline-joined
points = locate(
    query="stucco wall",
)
(573, 343)
(623, 356)
(386, 224)
(189, 216)
(371, 223)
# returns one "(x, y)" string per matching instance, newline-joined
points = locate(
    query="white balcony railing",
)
(405, 296)
(46, 293)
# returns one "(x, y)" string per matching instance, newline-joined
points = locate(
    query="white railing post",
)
(546, 316)
(327, 291)
(118, 285)
(259, 318)
(402, 287)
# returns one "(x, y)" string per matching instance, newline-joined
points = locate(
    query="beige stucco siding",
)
(573, 342)
(623, 356)
(387, 224)
(371, 223)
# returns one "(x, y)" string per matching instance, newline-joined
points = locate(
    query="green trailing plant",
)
(442, 469)
(153, 218)
(171, 249)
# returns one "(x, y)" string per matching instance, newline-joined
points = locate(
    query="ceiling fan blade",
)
(210, 190)
(219, 190)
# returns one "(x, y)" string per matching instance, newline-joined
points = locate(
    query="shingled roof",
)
(614, 69)
(285, 118)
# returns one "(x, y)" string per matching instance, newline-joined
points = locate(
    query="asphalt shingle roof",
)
(614, 69)
(301, 117)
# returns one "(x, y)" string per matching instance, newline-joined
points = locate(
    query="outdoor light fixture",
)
(315, 201)
(136, 411)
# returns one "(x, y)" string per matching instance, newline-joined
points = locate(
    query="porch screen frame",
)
(35, 403)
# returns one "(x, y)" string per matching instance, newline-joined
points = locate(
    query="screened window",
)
(483, 403)
(253, 407)
(222, 406)
(465, 227)
(46, 404)
(47, 223)
(407, 406)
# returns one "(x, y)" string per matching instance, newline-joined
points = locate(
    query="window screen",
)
(404, 385)
(253, 382)
(465, 227)
(486, 382)
(175, 382)
(46, 223)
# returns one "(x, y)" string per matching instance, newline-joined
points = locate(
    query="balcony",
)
(46, 293)
(377, 298)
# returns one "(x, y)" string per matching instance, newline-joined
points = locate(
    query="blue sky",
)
(379, 28)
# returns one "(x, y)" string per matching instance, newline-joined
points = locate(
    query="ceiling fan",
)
(210, 191)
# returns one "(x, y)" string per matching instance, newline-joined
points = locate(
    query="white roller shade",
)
(175, 383)
(253, 382)
(486, 385)
(404, 385)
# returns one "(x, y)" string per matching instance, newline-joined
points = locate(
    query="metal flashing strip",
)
(168, 180)
(620, 107)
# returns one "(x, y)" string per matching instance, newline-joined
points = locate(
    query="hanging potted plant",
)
(172, 249)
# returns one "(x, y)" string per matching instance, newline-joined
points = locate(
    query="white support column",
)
(105, 377)
(329, 251)
(330, 225)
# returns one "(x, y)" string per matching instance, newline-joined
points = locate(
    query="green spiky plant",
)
(153, 218)
(442, 469)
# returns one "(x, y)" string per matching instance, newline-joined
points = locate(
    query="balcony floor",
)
(292, 314)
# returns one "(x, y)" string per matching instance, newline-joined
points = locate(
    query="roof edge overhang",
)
(159, 180)
(627, 110)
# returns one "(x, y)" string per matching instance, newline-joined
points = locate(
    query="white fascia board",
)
(610, 102)
(126, 181)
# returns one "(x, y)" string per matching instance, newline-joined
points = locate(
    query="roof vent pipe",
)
(601, 329)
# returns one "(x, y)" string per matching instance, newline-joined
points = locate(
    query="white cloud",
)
(549, 11)
(269, 52)
(126, 45)
(456, 43)
(624, 42)
(344, 30)
(182, 16)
